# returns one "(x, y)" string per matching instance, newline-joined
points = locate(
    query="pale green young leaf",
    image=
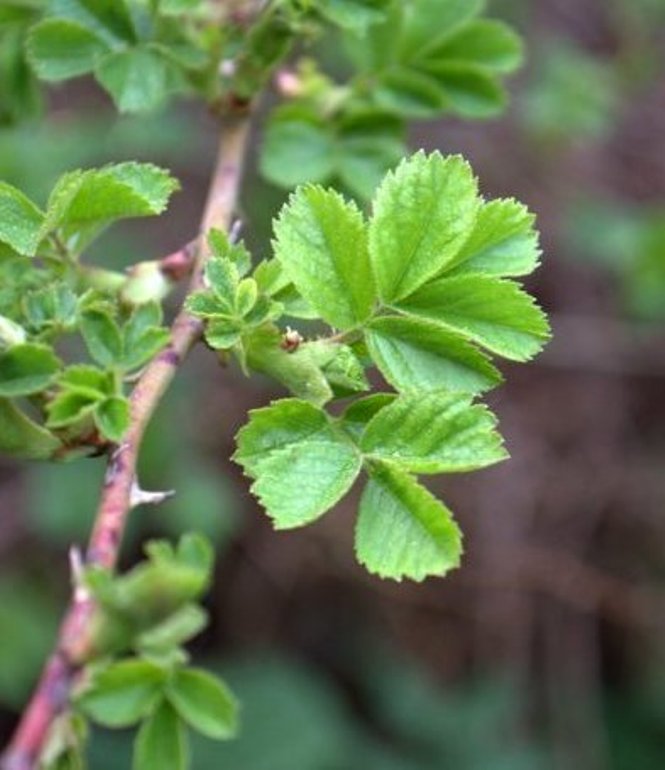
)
(59, 49)
(138, 79)
(27, 368)
(142, 336)
(494, 313)
(100, 196)
(175, 630)
(112, 417)
(124, 693)
(20, 220)
(417, 355)
(402, 529)
(22, 438)
(503, 241)
(436, 432)
(87, 381)
(51, 306)
(161, 742)
(423, 213)
(236, 253)
(291, 446)
(222, 277)
(69, 407)
(321, 241)
(102, 337)
(204, 702)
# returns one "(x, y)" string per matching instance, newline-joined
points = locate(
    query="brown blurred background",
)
(546, 649)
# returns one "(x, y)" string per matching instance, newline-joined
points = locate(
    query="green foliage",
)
(415, 291)
(137, 51)
(570, 82)
(152, 611)
(52, 296)
(418, 59)
(628, 243)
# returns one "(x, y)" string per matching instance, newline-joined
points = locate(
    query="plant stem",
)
(73, 645)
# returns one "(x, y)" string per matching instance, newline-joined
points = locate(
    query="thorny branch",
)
(119, 492)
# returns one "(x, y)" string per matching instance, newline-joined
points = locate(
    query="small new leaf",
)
(102, 337)
(402, 530)
(20, 221)
(161, 742)
(112, 417)
(123, 694)
(26, 369)
(204, 702)
(22, 438)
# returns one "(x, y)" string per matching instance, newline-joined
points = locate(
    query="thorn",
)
(81, 593)
(235, 231)
(227, 68)
(140, 496)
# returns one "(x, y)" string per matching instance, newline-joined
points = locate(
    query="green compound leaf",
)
(122, 694)
(142, 336)
(69, 407)
(356, 416)
(495, 313)
(470, 91)
(321, 241)
(402, 530)
(20, 220)
(27, 368)
(204, 702)
(296, 150)
(410, 93)
(87, 380)
(302, 464)
(22, 438)
(161, 742)
(503, 241)
(110, 19)
(355, 15)
(423, 213)
(101, 196)
(482, 43)
(139, 79)
(300, 371)
(429, 23)
(417, 355)
(112, 417)
(102, 337)
(434, 433)
(59, 49)
(356, 149)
